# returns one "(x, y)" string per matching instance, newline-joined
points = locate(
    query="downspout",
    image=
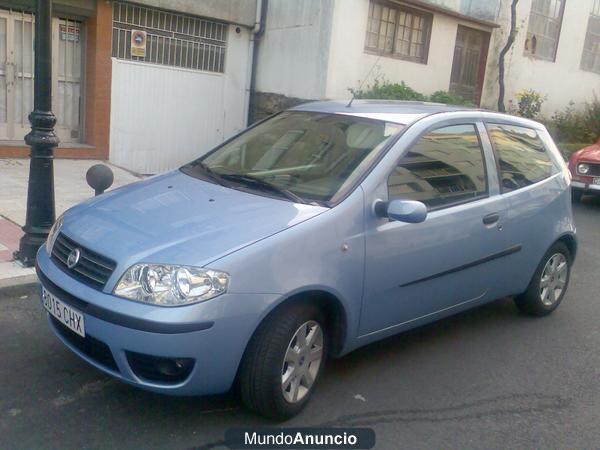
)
(257, 32)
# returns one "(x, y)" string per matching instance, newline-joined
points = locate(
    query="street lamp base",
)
(28, 247)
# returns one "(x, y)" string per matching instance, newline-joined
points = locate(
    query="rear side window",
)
(522, 156)
(443, 168)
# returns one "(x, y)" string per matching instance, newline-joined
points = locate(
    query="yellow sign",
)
(138, 43)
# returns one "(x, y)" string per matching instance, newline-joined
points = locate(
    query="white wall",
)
(162, 117)
(233, 11)
(349, 64)
(294, 49)
(562, 80)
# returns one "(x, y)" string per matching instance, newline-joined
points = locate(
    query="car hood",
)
(177, 219)
(591, 153)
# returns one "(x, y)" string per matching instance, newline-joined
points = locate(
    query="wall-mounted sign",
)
(138, 43)
(70, 33)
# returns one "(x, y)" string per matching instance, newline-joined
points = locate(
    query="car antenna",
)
(363, 81)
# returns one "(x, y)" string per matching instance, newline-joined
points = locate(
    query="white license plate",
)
(597, 180)
(69, 317)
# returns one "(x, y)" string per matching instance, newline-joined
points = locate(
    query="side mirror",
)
(409, 211)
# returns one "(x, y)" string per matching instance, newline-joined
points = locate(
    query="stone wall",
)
(264, 104)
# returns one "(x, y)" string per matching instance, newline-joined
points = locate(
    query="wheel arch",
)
(330, 303)
(332, 307)
(570, 240)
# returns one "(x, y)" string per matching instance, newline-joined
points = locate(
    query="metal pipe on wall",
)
(257, 32)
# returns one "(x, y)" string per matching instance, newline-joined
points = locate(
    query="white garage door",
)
(181, 95)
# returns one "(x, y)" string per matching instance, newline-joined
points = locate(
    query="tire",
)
(576, 195)
(535, 300)
(273, 353)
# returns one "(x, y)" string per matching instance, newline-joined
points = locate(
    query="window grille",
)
(398, 31)
(590, 59)
(172, 39)
(545, 21)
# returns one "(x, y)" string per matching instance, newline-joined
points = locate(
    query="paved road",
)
(489, 378)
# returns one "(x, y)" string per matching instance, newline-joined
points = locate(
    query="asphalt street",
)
(486, 379)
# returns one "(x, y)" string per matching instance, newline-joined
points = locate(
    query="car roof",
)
(403, 112)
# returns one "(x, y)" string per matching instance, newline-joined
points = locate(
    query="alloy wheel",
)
(554, 279)
(302, 361)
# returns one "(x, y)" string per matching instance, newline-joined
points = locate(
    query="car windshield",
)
(302, 156)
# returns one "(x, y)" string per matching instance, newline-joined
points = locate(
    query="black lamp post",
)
(42, 140)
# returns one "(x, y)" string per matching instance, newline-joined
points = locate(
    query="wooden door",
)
(468, 66)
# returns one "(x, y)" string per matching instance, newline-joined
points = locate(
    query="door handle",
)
(491, 219)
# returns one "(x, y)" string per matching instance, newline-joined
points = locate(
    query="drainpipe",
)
(257, 32)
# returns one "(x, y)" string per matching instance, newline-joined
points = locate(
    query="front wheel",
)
(284, 361)
(576, 195)
(549, 283)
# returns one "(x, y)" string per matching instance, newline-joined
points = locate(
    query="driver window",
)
(445, 167)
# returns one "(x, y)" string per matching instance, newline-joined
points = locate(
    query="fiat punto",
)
(319, 230)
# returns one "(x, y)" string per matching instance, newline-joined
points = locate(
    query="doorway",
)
(17, 34)
(468, 66)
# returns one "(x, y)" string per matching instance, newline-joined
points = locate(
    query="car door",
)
(451, 260)
(532, 183)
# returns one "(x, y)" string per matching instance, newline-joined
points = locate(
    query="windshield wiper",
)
(209, 173)
(262, 184)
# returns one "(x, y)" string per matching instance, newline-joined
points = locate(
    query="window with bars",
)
(590, 60)
(398, 31)
(545, 21)
(172, 39)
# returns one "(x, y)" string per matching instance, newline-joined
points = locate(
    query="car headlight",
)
(168, 285)
(53, 234)
(583, 168)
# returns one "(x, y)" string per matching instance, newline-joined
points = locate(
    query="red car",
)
(584, 165)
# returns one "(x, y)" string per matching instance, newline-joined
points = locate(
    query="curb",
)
(17, 286)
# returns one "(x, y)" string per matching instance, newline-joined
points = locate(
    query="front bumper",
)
(588, 187)
(213, 333)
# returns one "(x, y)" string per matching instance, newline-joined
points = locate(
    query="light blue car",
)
(317, 231)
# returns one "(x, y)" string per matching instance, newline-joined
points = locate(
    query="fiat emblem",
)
(73, 258)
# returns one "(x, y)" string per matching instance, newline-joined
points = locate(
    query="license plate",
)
(69, 317)
(597, 180)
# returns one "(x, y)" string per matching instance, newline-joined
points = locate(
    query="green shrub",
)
(576, 125)
(529, 103)
(449, 98)
(567, 149)
(384, 90)
(568, 125)
(388, 91)
(592, 119)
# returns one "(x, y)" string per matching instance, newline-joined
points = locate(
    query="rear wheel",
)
(284, 361)
(549, 283)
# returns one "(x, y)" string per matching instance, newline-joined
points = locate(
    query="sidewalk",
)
(70, 189)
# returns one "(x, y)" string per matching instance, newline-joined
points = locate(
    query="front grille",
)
(89, 346)
(594, 169)
(92, 269)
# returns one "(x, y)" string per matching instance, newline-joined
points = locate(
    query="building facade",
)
(148, 107)
(151, 84)
(80, 77)
(323, 48)
(556, 52)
